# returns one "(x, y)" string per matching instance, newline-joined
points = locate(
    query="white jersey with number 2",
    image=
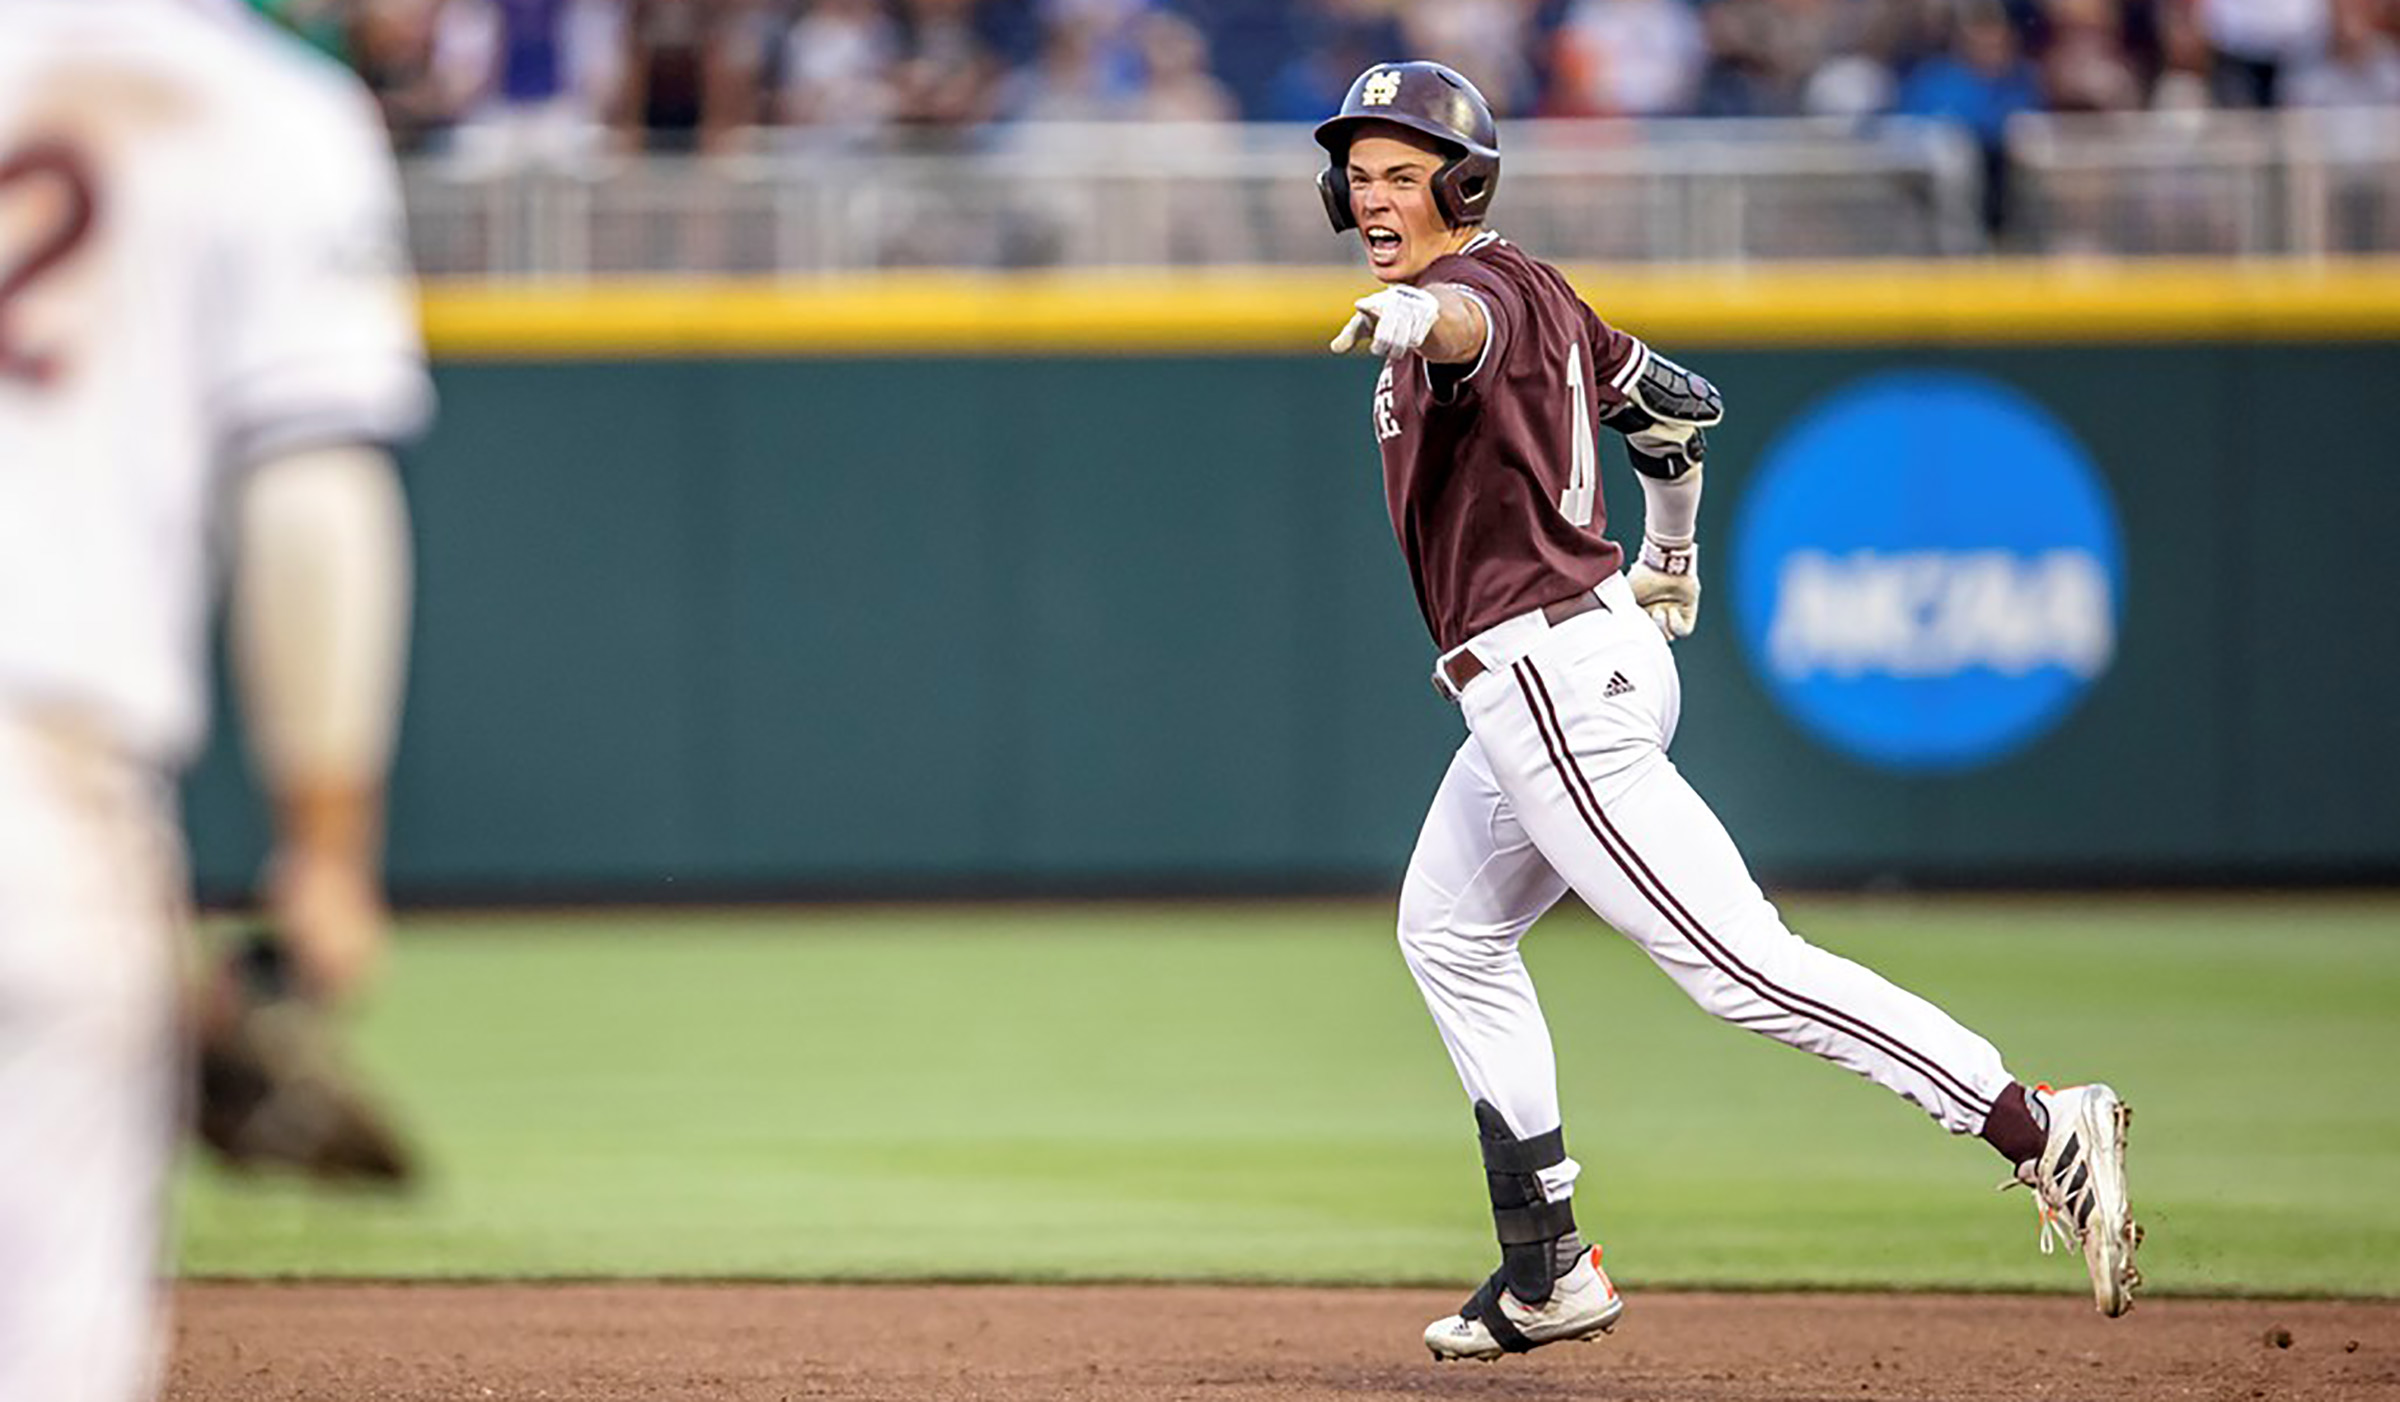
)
(201, 265)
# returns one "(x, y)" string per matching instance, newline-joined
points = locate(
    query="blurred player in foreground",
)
(1495, 375)
(206, 333)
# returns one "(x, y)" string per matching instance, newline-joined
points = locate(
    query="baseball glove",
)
(275, 1091)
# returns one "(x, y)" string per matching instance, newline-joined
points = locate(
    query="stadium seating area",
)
(722, 75)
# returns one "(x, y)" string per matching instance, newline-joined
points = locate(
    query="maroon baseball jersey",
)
(1492, 469)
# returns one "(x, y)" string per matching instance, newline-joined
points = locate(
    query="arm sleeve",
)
(1671, 507)
(320, 339)
(319, 614)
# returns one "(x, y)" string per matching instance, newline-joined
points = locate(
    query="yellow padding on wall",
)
(1280, 311)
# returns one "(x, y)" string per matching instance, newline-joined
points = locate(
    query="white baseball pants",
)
(1564, 783)
(91, 912)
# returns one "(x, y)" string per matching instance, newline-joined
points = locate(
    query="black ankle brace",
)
(1526, 1221)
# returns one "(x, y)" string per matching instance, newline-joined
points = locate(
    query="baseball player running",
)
(1494, 377)
(205, 326)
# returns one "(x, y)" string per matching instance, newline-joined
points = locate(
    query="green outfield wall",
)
(730, 590)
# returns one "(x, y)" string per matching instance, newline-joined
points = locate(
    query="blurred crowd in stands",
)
(561, 76)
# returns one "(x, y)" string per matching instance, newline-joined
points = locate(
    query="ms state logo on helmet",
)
(1928, 572)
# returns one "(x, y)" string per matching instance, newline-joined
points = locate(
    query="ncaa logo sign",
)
(1928, 572)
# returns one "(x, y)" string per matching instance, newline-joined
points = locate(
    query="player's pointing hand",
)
(1393, 322)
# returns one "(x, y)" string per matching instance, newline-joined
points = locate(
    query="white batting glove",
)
(1399, 317)
(1666, 583)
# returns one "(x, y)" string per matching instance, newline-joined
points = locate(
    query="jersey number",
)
(57, 167)
(1583, 471)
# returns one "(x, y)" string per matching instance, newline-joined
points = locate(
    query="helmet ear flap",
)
(1463, 188)
(1334, 185)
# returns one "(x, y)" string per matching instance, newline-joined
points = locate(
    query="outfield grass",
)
(1254, 1092)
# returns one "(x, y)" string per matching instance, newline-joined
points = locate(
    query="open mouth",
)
(1383, 246)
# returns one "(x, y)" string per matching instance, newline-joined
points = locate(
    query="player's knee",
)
(1424, 908)
(1439, 949)
(1758, 930)
(1425, 911)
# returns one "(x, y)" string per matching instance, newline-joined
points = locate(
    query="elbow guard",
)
(1665, 409)
(1660, 392)
(1654, 453)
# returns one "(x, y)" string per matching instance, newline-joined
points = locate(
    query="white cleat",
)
(1583, 1304)
(2080, 1183)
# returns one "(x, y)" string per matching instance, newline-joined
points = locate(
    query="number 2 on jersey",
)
(56, 167)
(1583, 470)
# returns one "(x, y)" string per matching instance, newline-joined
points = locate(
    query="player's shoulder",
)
(1532, 300)
(291, 90)
(1474, 263)
(238, 85)
(1494, 263)
(293, 128)
(226, 87)
(249, 84)
(222, 43)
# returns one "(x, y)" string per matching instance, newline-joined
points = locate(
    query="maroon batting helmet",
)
(1426, 98)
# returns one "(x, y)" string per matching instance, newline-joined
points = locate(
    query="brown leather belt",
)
(1465, 666)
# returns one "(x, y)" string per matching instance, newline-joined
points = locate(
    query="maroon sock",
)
(2015, 1125)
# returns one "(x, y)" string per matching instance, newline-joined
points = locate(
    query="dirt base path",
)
(697, 1343)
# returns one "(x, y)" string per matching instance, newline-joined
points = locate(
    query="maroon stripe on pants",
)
(1672, 910)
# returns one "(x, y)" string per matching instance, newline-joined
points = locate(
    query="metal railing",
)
(1166, 196)
(2246, 184)
(2243, 184)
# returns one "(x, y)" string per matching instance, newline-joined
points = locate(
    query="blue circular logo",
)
(1927, 571)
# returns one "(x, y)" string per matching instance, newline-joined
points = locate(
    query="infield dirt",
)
(238, 1342)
